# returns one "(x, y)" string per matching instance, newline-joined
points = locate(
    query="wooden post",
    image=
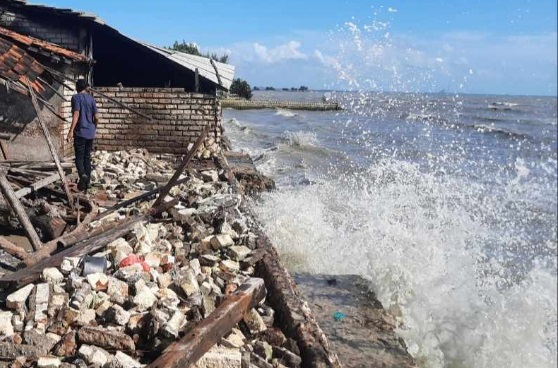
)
(51, 146)
(14, 203)
(197, 80)
(209, 331)
(180, 169)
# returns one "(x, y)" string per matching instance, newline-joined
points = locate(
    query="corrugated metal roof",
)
(60, 11)
(205, 67)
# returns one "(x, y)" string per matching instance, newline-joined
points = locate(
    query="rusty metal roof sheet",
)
(44, 46)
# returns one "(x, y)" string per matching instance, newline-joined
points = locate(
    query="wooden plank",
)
(37, 185)
(181, 167)
(12, 249)
(14, 203)
(51, 146)
(209, 331)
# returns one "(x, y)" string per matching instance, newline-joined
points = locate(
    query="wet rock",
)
(105, 339)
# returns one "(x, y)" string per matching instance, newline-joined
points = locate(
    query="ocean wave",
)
(286, 113)
(424, 117)
(506, 106)
(439, 253)
(300, 138)
(484, 128)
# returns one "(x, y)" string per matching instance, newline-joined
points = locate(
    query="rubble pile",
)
(123, 306)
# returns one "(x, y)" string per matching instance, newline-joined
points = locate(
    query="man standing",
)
(84, 122)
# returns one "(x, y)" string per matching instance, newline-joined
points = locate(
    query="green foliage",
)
(192, 49)
(241, 88)
(303, 89)
(269, 89)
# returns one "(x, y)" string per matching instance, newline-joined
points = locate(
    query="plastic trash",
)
(339, 316)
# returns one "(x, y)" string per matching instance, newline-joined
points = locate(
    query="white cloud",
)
(392, 10)
(287, 51)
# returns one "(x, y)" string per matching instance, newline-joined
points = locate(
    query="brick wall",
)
(178, 119)
(60, 32)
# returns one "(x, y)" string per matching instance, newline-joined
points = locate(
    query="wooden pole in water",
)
(19, 210)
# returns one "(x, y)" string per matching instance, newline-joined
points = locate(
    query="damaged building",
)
(148, 97)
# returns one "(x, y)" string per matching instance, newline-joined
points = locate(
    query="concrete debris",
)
(158, 280)
(16, 300)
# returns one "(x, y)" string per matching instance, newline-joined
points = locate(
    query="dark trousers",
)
(82, 150)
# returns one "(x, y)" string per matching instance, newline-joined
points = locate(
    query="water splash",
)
(439, 254)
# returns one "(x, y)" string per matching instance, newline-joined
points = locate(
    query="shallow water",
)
(446, 204)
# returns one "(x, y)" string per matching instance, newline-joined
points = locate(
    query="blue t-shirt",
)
(85, 104)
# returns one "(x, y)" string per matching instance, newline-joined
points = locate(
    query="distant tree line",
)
(192, 49)
(292, 89)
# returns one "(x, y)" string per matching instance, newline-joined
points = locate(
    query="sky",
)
(485, 47)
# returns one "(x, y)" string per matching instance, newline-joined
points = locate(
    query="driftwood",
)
(209, 331)
(172, 182)
(14, 203)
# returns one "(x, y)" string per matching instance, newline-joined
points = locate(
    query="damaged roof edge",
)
(218, 73)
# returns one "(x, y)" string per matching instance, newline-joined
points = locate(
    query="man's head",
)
(81, 85)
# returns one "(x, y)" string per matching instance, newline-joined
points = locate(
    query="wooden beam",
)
(14, 203)
(209, 331)
(51, 146)
(135, 199)
(181, 167)
(4, 148)
(31, 274)
(37, 185)
(197, 80)
(12, 249)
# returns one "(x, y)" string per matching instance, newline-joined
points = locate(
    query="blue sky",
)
(500, 47)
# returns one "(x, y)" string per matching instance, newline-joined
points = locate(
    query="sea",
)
(445, 203)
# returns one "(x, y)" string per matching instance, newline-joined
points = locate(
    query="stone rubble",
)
(160, 279)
